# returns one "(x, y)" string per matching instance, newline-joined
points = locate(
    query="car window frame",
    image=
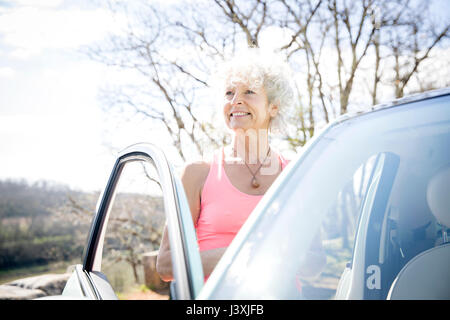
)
(187, 268)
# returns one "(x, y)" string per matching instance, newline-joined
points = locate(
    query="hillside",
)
(44, 223)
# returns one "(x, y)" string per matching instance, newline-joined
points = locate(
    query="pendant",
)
(255, 183)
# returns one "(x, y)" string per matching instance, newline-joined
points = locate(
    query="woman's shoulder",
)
(197, 167)
(196, 171)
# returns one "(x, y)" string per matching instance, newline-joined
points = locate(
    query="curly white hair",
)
(256, 67)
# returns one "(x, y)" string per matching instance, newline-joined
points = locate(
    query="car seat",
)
(427, 275)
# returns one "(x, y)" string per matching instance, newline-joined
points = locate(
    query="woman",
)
(223, 192)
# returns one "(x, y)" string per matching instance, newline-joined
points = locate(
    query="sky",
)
(52, 125)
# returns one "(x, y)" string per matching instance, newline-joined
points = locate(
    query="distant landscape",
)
(44, 229)
(39, 228)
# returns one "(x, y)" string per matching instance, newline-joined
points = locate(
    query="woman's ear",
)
(273, 110)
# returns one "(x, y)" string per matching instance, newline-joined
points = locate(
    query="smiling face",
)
(247, 108)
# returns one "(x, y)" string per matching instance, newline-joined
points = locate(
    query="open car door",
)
(123, 217)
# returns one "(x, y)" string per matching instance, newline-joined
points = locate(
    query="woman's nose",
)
(236, 99)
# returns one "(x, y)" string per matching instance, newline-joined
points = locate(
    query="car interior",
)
(426, 275)
(414, 240)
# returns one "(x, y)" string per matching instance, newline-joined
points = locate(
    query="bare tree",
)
(135, 226)
(374, 45)
(167, 95)
(304, 18)
(250, 16)
(410, 39)
(352, 24)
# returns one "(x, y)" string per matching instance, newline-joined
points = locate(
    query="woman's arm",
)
(163, 260)
(209, 258)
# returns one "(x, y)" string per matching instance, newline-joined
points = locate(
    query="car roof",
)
(394, 103)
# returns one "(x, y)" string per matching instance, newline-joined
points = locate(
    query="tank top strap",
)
(216, 164)
(213, 176)
(220, 156)
(284, 162)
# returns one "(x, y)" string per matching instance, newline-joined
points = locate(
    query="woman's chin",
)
(239, 126)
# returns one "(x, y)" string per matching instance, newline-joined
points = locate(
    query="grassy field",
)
(141, 292)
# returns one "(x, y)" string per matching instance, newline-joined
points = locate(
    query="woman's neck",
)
(251, 146)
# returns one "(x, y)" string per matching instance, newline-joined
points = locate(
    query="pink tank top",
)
(223, 208)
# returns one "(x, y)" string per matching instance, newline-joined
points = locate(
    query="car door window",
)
(407, 226)
(141, 196)
(133, 235)
(338, 231)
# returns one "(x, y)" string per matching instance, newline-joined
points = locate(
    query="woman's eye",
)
(249, 92)
(228, 93)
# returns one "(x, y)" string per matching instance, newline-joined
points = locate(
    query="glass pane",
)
(134, 233)
(338, 232)
(408, 226)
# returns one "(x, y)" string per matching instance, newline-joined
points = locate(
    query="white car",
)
(377, 187)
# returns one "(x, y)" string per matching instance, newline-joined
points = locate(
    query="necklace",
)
(255, 183)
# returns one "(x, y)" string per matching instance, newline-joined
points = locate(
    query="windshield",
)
(378, 162)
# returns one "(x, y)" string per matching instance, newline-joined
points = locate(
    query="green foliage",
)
(144, 288)
(38, 251)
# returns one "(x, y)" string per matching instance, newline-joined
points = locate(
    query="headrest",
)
(438, 196)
